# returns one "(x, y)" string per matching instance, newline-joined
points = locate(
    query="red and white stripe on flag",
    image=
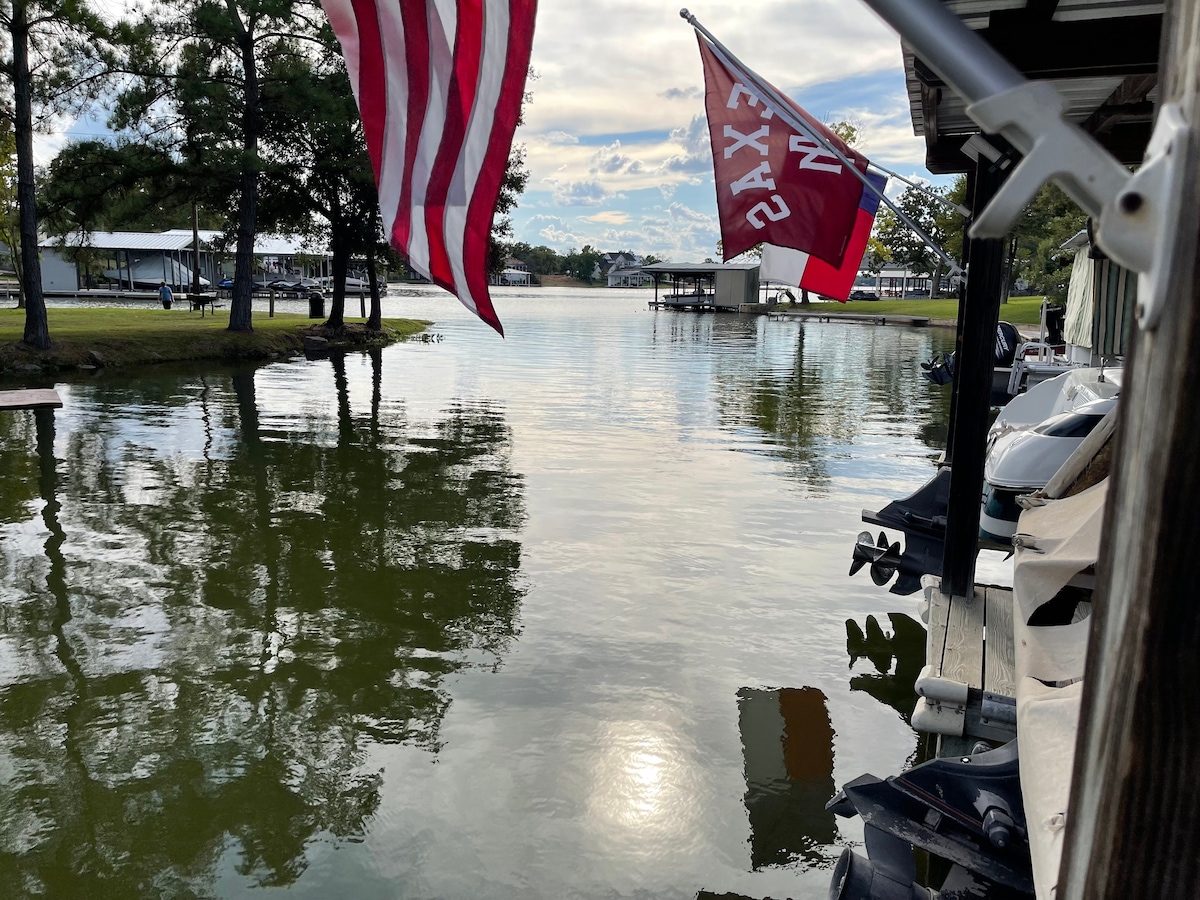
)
(775, 184)
(799, 269)
(439, 85)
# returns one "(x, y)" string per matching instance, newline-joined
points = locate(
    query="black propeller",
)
(883, 557)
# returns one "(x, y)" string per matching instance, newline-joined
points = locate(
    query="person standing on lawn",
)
(164, 294)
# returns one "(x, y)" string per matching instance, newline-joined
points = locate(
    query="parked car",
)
(863, 295)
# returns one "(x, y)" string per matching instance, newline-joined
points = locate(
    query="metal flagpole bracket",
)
(1134, 212)
(1140, 230)
(1030, 116)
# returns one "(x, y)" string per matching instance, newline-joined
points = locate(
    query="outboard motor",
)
(967, 811)
(855, 878)
(940, 369)
(1007, 341)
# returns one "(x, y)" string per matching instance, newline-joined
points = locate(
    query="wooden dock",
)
(855, 318)
(968, 687)
(41, 398)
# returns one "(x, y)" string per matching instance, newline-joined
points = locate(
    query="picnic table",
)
(199, 301)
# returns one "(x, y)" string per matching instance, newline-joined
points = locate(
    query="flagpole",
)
(783, 109)
(932, 195)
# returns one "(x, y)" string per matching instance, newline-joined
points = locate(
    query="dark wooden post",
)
(973, 385)
(1133, 829)
(958, 328)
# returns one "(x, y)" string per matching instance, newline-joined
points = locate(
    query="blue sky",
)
(616, 137)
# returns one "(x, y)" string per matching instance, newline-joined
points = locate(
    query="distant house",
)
(897, 281)
(515, 271)
(623, 270)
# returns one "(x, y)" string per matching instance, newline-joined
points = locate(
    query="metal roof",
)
(181, 239)
(666, 268)
(1102, 55)
(123, 240)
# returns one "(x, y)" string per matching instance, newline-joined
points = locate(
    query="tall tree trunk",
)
(375, 319)
(239, 306)
(37, 331)
(341, 265)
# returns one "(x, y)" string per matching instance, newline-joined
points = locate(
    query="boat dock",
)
(967, 690)
(855, 318)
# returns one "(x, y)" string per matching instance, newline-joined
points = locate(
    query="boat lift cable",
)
(781, 107)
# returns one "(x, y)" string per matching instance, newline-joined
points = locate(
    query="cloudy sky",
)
(616, 137)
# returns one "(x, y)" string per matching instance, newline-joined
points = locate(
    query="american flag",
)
(439, 85)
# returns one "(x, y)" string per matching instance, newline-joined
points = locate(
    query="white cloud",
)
(637, 77)
(578, 193)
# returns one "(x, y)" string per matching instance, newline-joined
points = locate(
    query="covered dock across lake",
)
(704, 286)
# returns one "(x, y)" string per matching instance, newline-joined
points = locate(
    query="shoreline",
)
(87, 339)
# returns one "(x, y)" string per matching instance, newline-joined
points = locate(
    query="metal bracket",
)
(1135, 213)
(1031, 117)
(1140, 230)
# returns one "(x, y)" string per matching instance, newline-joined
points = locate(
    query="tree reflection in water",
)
(206, 640)
(812, 414)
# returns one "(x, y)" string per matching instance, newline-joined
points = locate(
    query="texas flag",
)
(777, 178)
(788, 266)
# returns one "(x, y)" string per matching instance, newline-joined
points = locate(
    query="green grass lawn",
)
(139, 336)
(1018, 310)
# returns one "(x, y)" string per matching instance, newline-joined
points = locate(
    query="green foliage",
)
(1039, 233)
(950, 222)
(896, 242)
(10, 223)
(581, 264)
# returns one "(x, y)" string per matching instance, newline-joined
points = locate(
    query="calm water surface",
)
(556, 616)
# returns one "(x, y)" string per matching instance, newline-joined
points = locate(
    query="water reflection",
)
(286, 590)
(787, 742)
(815, 410)
(218, 596)
(643, 787)
(897, 658)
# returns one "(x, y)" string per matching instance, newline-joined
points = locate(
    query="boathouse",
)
(131, 260)
(719, 287)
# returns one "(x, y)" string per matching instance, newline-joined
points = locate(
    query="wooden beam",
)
(973, 387)
(1133, 827)
(930, 98)
(1046, 50)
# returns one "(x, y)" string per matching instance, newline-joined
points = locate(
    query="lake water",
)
(556, 616)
